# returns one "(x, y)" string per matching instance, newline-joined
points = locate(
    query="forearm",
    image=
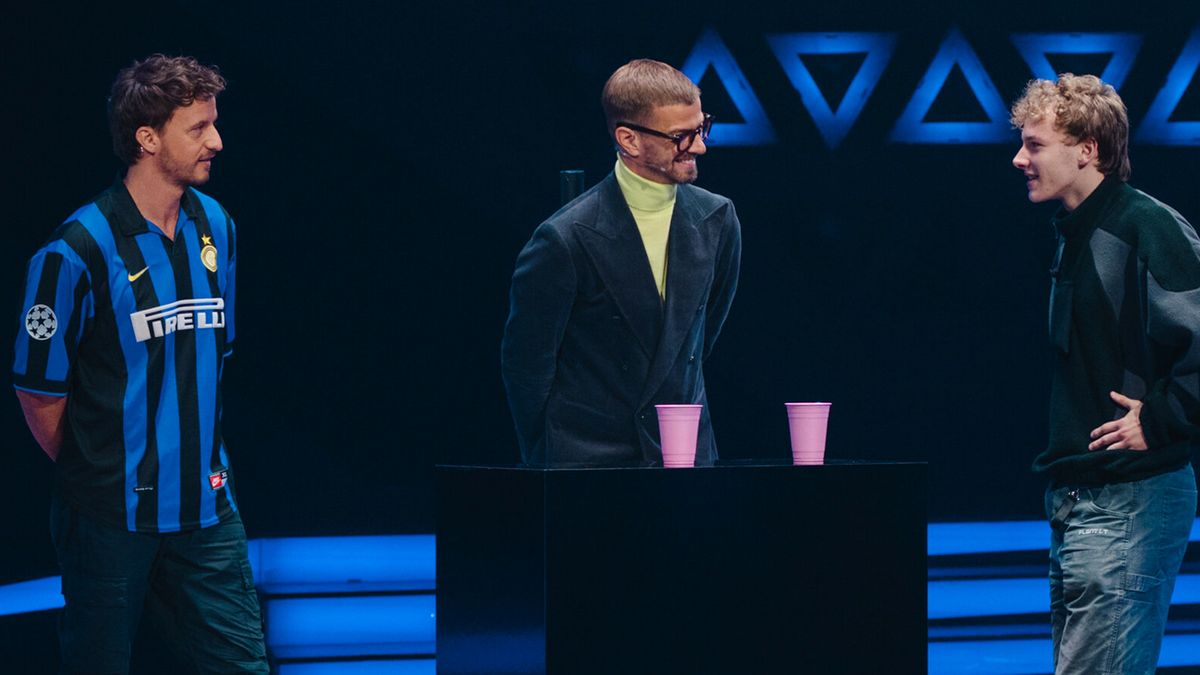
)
(46, 417)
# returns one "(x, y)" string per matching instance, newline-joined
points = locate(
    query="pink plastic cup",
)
(808, 423)
(677, 427)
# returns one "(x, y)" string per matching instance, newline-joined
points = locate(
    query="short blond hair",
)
(640, 86)
(1082, 106)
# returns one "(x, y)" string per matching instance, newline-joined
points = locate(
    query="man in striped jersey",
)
(127, 319)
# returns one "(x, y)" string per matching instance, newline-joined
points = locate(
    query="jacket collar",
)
(1068, 223)
(612, 242)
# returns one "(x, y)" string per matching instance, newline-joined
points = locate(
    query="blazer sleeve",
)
(725, 278)
(540, 301)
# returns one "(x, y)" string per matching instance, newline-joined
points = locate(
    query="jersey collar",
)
(131, 221)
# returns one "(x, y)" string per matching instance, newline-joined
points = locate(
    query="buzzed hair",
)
(640, 86)
(1082, 106)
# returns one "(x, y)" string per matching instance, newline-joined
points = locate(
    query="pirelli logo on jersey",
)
(181, 315)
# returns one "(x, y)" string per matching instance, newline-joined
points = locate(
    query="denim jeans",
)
(195, 586)
(1112, 571)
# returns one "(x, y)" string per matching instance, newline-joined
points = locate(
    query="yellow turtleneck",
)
(652, 205)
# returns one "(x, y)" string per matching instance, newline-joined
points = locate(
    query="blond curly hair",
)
(1081, 106)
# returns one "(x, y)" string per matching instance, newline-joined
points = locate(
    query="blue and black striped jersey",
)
(133, 328)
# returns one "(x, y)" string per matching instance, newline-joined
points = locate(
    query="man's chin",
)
(686, 176)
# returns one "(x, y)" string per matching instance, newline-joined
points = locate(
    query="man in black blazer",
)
(618, 297)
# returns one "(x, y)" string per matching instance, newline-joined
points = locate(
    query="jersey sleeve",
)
(56, 311)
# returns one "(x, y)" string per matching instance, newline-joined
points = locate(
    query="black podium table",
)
(738, 569)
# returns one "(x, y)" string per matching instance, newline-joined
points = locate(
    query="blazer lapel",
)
(616, 249)
(689, 270)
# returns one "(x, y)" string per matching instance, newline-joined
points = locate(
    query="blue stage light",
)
(992, 657)
(834, 125)
(996, 537)
(755, 129)
(911, 127)
(344, 564)
(1156, 127)
(31, 596)
(351, 625)
(993, 537)
(1123, 47)
(988, 597)
(1026, 657)
(413, 667)
(1006, 597)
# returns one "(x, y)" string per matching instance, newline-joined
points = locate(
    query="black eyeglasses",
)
(682, 141)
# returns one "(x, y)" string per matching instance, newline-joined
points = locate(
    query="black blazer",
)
(589, 348)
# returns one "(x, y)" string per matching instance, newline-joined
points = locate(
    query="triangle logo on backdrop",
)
(755, 129)
(912, 127)
(1035, 48)
(1157, 126)
(833, 124)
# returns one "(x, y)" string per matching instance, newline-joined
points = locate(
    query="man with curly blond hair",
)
(1124, 328)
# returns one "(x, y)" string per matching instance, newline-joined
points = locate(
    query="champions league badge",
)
(208, 254)
(41, 323)
(217, 480)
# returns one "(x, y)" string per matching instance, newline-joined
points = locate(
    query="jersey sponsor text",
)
(181, 315)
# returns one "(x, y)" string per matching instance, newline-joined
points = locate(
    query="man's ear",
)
(627, 141)
(1089, 152)
(147, 139)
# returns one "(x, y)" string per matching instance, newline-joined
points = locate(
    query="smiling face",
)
(182, 151)
(658, 159)
(1056, 166)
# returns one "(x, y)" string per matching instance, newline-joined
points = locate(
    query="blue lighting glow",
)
(994, 537)
(834, 125)
(1006, 597)
(1123, 47)
(1156, 126)
(997, 537)
(351, 625)
(911, 127)
(1023, 657)
(413, 667)
(989, 597)
(344, 564)
(990, 657)
(31, 596)
(710, 50)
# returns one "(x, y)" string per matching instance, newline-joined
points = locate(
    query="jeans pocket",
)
(1139, 583)
(1116, 498)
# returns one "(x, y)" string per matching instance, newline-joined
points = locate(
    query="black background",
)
(385, 164)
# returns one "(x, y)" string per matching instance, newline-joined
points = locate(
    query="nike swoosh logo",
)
(135, 277)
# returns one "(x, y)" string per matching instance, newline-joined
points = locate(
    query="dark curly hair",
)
(147, 92)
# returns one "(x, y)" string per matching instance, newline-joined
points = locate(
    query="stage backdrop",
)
(385, 164)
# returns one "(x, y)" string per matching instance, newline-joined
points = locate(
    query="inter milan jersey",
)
(133, 328)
